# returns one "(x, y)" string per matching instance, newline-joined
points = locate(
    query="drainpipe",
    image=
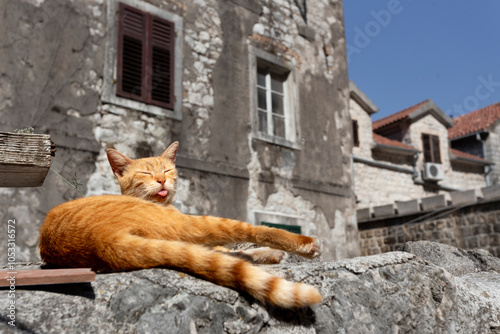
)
(487, 168)
(416, 174)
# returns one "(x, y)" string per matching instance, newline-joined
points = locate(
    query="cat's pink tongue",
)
(163, 193)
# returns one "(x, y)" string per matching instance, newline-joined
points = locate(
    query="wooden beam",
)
(24, 159)
(46, 276)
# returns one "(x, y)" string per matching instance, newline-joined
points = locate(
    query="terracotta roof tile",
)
(475, 121)
(397, 116)
(381, 140)
(460, 154)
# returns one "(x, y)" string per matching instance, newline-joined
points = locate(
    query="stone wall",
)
(376, 186)
(469, 227)
(429, 288)
(56, 75)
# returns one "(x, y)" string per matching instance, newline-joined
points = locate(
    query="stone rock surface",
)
(430, 288)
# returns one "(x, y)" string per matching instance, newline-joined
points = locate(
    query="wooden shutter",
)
(145, 57)
(426, 141)
(431, 148)
(162, 62)
(436, 155)
(131, 53)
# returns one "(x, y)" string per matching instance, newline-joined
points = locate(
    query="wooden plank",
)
(46, 276)
(24, 159)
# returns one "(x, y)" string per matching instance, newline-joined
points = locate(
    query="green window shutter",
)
(290, 228)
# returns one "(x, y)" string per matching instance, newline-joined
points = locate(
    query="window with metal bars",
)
(145, 57)
(271, 101)
(431, 148)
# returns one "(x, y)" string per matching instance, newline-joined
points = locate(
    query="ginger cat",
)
(144, 230)
(262, 255)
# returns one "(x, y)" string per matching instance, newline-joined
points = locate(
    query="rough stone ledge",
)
(401, 292)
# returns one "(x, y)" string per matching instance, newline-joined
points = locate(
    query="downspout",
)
(487, 171)
(416, 174)
(487, 168)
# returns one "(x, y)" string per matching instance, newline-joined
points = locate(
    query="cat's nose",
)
(162, 182)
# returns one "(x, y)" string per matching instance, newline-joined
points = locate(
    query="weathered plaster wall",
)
(52, 77)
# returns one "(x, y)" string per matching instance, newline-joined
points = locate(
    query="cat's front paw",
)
(265, 255)
(312, 250)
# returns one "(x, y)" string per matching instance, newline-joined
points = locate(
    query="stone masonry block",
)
(433, 202)
(491, 192)
(384, 211)
(407, 207)
(363, 215)
(463, 197)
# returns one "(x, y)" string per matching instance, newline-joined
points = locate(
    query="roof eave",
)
(431, 107)
(362, 99)
(470, 134)
(470, 161)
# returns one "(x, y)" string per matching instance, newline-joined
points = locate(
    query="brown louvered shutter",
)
(436, 155)
(131, 52)
(145, 64)
(431, 148)
(162, 55)
(426, 141)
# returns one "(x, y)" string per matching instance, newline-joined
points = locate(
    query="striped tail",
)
(134, 252)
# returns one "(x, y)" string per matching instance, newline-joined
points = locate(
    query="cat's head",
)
(153, 179)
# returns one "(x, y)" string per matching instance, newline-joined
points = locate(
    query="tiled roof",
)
(381, 140)
(475, 121)
(397, 116)
(463, 155)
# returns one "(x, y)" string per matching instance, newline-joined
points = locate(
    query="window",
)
(274, 99)
(145, 64)
(270, 101)
(143, 58)
(355, 133)
(431, 148)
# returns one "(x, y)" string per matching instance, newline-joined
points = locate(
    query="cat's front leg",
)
(221, 231)
(261, 255)
(294, 243)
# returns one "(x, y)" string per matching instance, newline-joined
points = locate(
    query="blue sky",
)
(403, 52)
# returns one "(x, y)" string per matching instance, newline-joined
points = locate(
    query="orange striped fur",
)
(144, 230)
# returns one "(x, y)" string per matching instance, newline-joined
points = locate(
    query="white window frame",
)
(110, 66)
(260, 58)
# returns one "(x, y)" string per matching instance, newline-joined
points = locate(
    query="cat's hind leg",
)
(130, 252)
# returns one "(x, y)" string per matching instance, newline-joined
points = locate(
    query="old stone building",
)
(407, 155)
(478, 133)
(255, 91)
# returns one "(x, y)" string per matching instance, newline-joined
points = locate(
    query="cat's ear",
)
(171, 151)
(117, 161)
